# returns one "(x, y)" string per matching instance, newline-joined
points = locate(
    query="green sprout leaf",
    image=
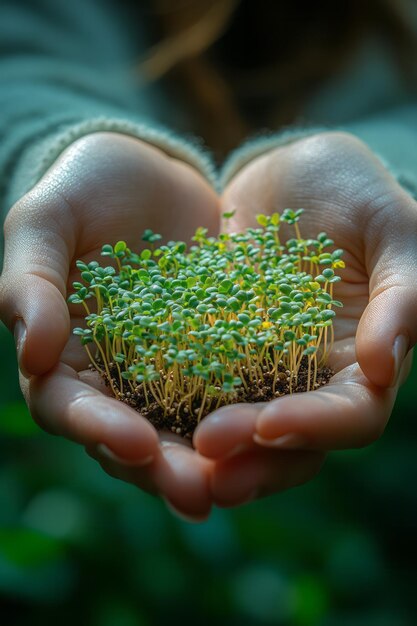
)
(120, 247)
(182, 330)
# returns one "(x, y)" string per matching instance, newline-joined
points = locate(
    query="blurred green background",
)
(79, 547)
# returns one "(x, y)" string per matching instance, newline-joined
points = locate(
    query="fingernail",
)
(20, 333)
(399, 352)
(290, 441)
(103, 450)
(192, 519)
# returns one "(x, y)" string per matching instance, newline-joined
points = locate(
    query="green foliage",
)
(28, 548)
(189, 326)
(16, 421)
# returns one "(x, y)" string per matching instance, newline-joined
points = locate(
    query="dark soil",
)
(183, 423)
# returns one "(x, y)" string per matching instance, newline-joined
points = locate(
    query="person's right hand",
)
(105, 187)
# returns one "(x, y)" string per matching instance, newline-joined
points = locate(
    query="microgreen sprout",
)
(189, 328)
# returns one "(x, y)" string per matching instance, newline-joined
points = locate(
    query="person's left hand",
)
(345, 191)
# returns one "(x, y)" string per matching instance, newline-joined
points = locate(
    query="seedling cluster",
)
(184, 331)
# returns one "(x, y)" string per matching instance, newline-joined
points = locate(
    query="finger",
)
(74, 354)
(64, 405)
(227, 431)
(93, 379)
(183, 479)
(231, 429)
(177, 473)
(258, 473)
(127, 471)
(348, 412)
(38, 242)
(388, 327)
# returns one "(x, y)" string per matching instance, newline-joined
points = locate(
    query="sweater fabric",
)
(67, 70)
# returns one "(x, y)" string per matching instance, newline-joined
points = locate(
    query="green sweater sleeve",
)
(66, 70)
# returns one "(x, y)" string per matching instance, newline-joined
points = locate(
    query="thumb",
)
(388, 328)
(33, 282)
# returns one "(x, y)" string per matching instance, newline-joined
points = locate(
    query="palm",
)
(346, 193)
(248, 198)
(107, 188)
(137, 191)
(112, 188)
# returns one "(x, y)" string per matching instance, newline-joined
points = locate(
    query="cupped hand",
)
(346, 192)
(105, 187)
